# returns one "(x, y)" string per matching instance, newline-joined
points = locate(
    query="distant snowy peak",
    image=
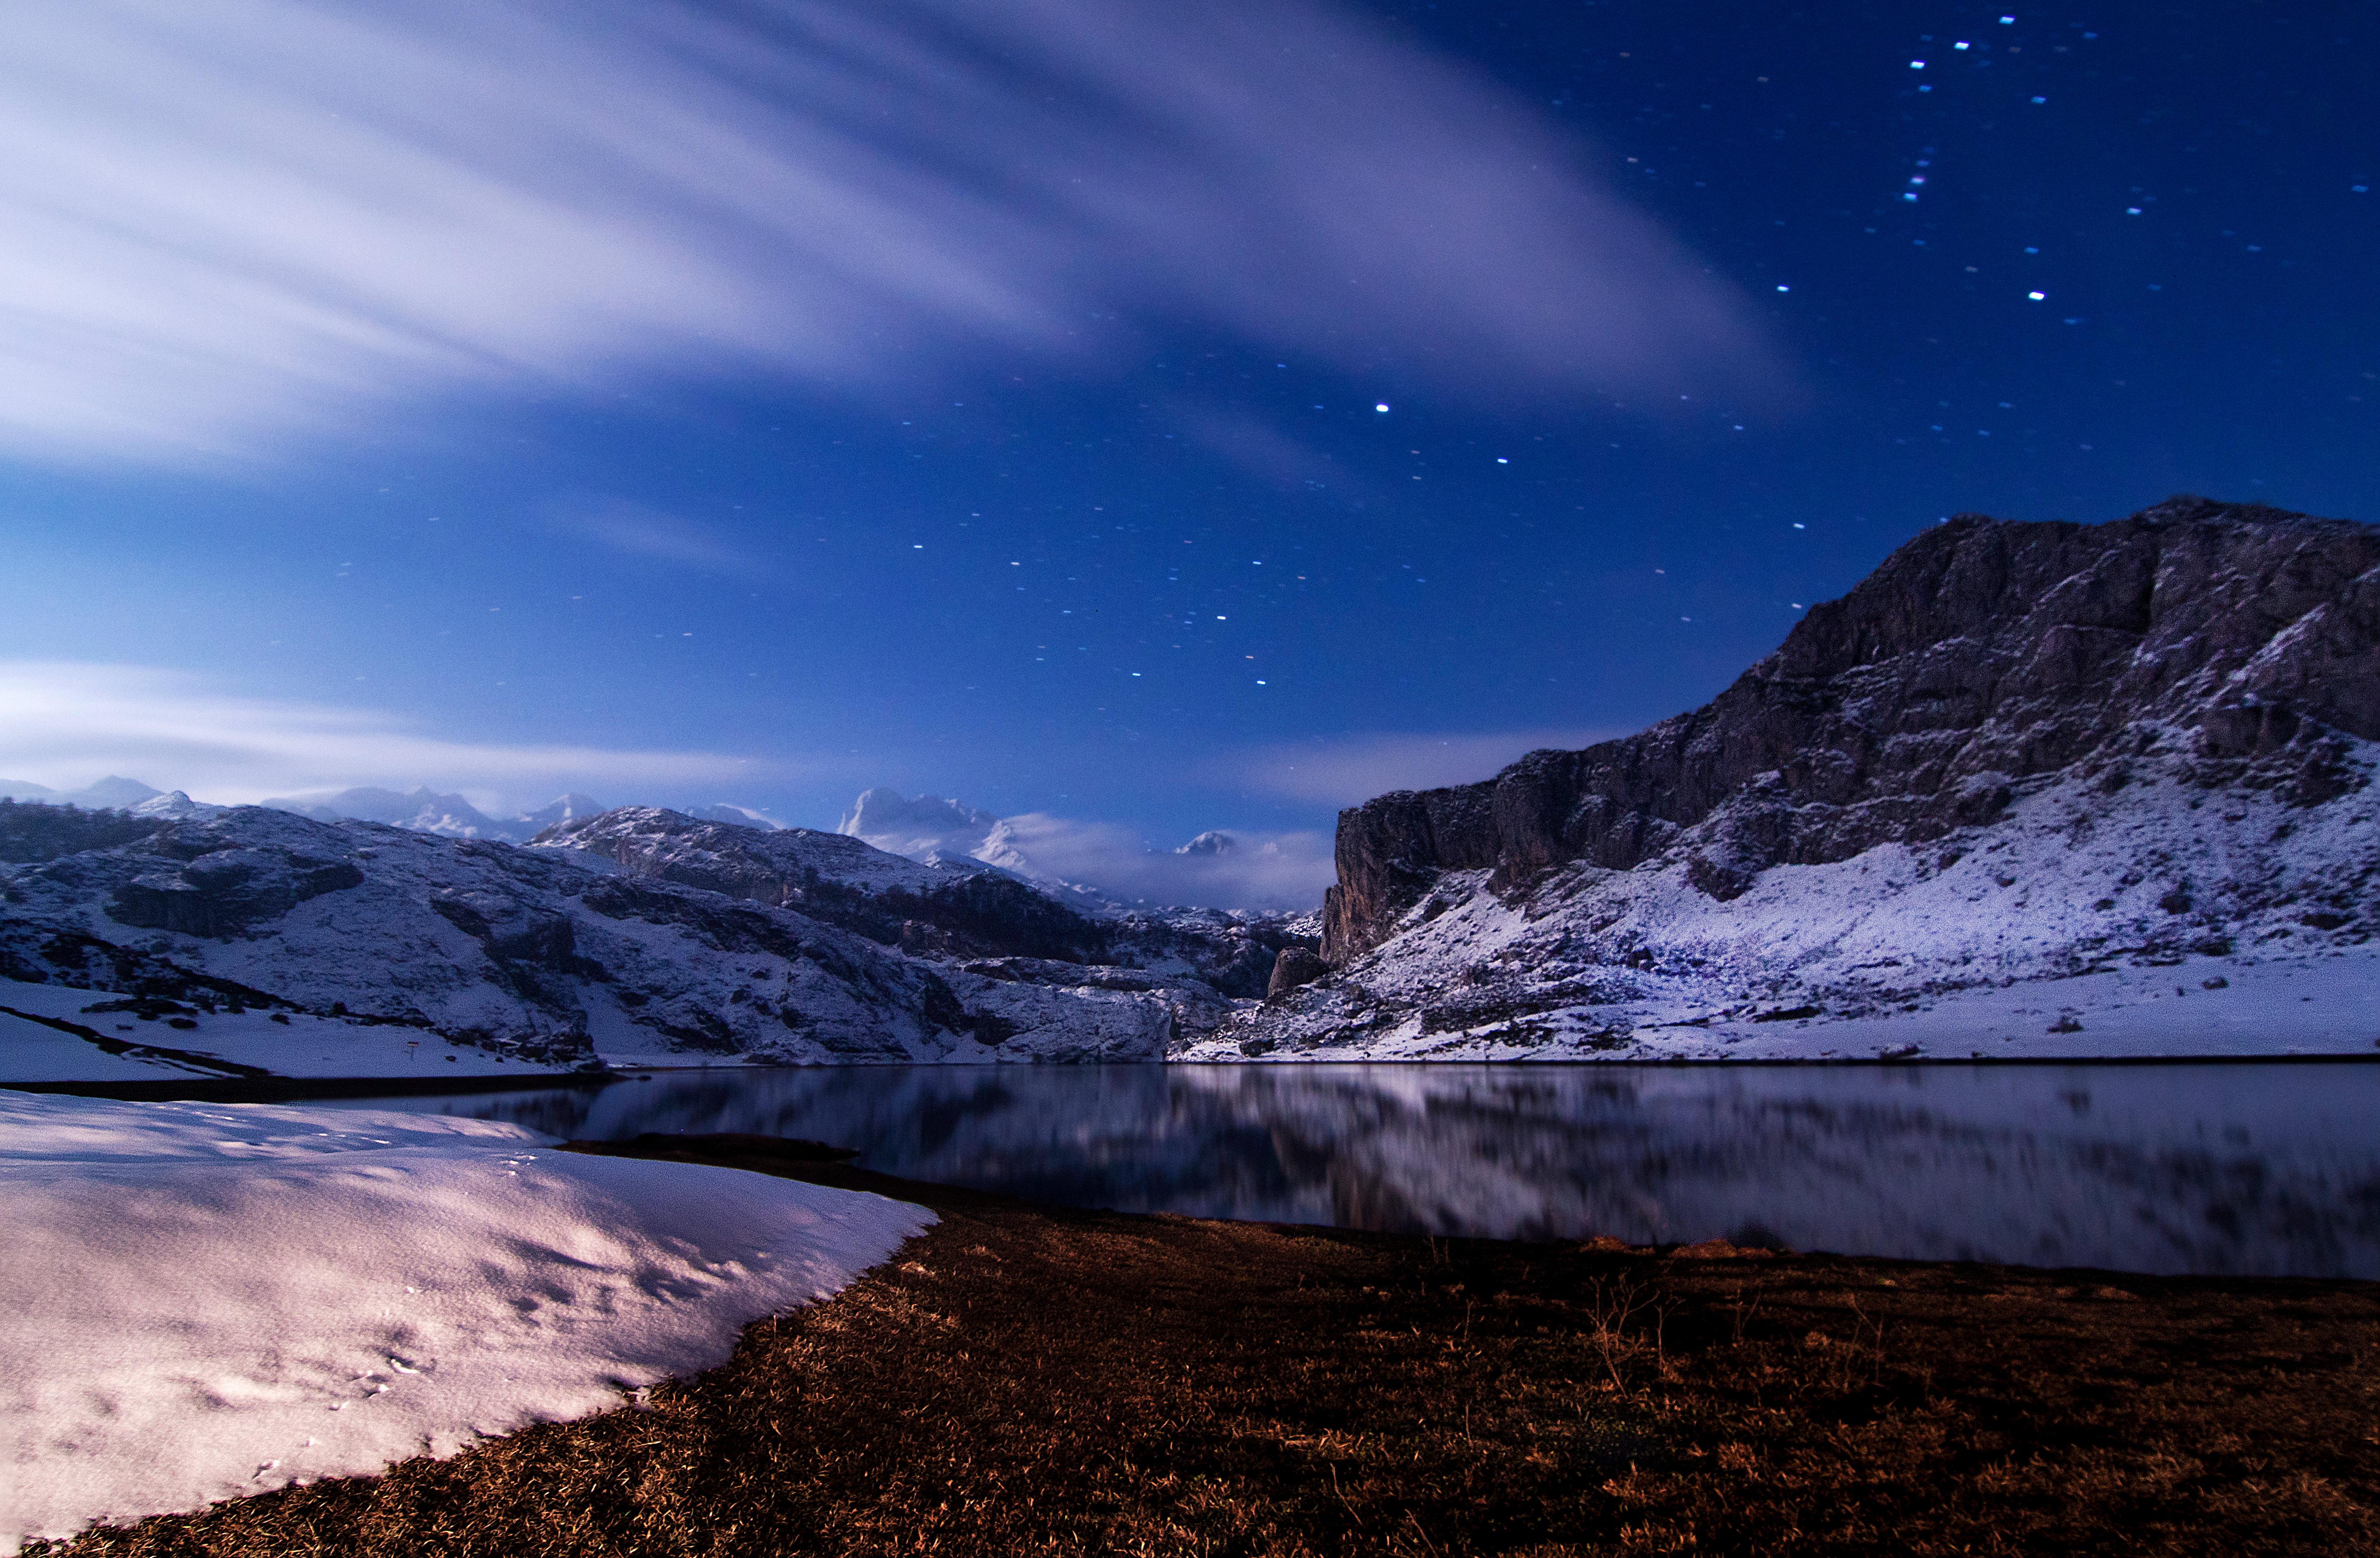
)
(421, 810)
(926, 827)
(425, 811)
(930, 829)
(113, 792)
(936, 832)
(175, 806)
(560, 809)
(1103, 868)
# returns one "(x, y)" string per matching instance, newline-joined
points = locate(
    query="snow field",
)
(215, 1301)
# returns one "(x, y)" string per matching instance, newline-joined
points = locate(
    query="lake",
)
(2230, 1169)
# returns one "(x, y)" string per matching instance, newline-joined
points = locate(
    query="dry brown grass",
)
(1024, 1380)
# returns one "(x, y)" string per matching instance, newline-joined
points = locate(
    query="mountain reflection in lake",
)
(2219, 1168)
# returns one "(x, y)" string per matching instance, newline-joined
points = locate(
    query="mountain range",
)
(928, 828)
(2028, 790)
(634, 936)
(422, 809)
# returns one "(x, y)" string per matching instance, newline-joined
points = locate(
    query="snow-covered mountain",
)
(1101, 867)
(2030, 788)
(422, 809)
(641, 935)
(426, 810)
(112, 791)
(928, 828)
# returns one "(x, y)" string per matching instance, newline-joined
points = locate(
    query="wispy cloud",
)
(222, 225)
(1348, 770)
(1263, 450)
(636, 530)
(65, 723)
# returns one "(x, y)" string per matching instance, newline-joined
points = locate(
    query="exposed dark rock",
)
(1294, 965)
(1233, 955)
(223, 892)
(1980, 655)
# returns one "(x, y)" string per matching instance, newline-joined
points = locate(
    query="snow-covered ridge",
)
(256, 938)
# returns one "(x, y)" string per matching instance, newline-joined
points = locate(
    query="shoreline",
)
(1032, 1379)
(300, 1090)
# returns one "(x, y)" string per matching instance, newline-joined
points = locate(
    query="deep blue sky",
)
(1116, 586)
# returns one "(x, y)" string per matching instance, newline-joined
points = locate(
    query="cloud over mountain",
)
(1236, 869)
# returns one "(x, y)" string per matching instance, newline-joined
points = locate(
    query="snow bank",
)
(212, 1300)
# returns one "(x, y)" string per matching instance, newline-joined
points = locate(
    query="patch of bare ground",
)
(1028, 1380)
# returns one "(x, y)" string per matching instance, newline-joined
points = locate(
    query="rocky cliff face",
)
(2028, 790)
(1979, 656)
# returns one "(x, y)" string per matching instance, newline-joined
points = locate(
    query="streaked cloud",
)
(1264, 451)
(1348, 770)
(65, 723)
(221, 226)
(634, 530)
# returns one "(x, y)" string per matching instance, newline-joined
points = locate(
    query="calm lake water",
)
(2222, 1169)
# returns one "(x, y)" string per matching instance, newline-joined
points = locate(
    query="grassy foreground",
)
(1026, 1380)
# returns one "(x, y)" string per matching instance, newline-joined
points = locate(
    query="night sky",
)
(1412, 386)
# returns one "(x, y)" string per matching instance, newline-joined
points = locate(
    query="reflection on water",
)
(2270, 1169)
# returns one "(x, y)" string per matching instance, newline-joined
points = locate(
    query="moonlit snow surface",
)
(233, 1297)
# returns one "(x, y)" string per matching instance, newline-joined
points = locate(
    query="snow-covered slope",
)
(2160, 921)
(259, 939)
(432, 1281)
(2030, 789)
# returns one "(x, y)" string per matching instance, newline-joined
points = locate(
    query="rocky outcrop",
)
(222, 893)
(1980, 656)
(1293, 967)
